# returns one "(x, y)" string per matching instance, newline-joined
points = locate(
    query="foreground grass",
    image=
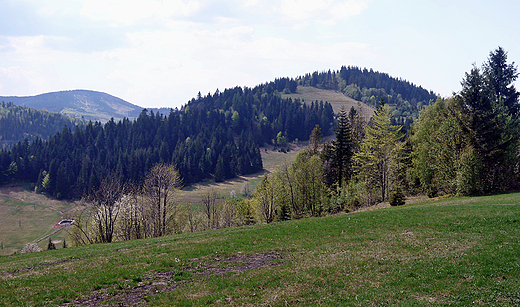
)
(457, 252)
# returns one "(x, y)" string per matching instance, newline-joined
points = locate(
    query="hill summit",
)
(79, 103)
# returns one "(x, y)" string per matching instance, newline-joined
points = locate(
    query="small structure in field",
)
(64, 223)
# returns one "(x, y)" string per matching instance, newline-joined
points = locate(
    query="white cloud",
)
(174, 49)
(348, 9)
(303, 12)
(128, 12)
(15, 80)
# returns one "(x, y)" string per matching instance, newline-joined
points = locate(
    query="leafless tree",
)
(161, 183)
(106, 203)
(209, 207)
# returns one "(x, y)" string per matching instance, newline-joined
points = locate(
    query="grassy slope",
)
(26, 216)
(460, 252)
(335, 98)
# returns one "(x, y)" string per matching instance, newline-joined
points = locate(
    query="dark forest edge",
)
(215, 136)
(18, 123)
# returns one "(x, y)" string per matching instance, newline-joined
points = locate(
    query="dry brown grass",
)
(335, 98)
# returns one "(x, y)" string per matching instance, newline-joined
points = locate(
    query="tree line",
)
(467, 145)
(213, 136)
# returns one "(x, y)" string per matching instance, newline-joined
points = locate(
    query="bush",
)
(347, 198)
(30, 248)
(397, 197)
(51, 245)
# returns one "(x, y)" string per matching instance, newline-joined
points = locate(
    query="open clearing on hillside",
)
(271, 159)
(26, 216)
(457, 252)
(335, 98)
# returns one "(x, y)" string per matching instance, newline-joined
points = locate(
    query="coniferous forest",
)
(18, 123)
(217, 135)
(467, 144)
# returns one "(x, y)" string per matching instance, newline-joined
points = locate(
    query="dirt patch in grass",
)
(38, 266)
(241, 263)
(162, 282)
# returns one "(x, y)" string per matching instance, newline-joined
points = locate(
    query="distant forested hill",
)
(215, 136)
(404, 98)
(91, 105)
(18, 123)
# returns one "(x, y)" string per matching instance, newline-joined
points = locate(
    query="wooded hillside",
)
(215, 136)
(18, 123)
(404, 98)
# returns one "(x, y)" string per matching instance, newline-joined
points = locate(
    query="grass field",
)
(26, 217)
(453, 252)
(335, 98)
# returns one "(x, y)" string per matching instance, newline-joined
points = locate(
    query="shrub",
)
(30, 248)
(396, 197)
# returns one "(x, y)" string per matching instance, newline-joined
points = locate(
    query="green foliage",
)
(216, 136)
(265, 197)
(339, 153)
(469, 144)
(347, 197)
(437, 143)
(368, 86)
(377, 154)
(469, 169)
(18, 123)
(396, 197)
(281, 142)
(245, 209)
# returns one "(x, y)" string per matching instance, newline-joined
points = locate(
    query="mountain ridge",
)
(89, 104)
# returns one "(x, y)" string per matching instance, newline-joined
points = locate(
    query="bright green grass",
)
(454, 252)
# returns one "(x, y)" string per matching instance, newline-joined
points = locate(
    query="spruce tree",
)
(488, 116)
(342, 147)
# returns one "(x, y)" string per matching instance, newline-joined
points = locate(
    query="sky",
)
(155, 53)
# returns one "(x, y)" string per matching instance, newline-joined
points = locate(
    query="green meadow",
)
(28, 217)
(453, 252)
